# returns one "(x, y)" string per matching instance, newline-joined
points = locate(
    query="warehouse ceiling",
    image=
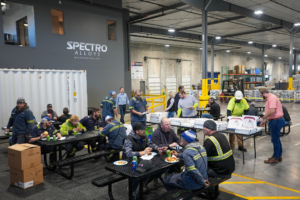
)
(234, 27)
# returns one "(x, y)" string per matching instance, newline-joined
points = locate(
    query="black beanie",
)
(210, 124)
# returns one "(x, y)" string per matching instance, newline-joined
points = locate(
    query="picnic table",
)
(56, 124)
(159, 165)
(200, 111)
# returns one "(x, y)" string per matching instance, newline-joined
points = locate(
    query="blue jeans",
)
(122, 112)
(275, 127)
(206, 115)
(171, 114)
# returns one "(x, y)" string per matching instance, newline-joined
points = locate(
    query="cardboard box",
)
(24, 156)
(26, 178)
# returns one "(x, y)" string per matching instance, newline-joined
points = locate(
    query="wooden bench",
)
(108, 180)
(287, 124)
(181, 194)
(81, 158)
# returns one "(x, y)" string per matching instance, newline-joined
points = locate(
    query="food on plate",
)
(171, 159)
(100, 128)
(121, 162)
(173, 152)
(149, 154)
(46, 132)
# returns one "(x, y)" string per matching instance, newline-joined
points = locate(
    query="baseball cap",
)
(21, 100)
(112, 92)
(144, 165)
(108, 117)
(49, 105)
(46, 119)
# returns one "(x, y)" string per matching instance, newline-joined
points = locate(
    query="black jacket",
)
(286, 115)
(176, 101)
(252, 111)
(174, 107)
(64, 118)
(223, 167)
(163, 139)
(215, 110)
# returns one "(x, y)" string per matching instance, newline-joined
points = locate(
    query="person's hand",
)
(207, 183)
(49, 115)
(165, 148)
(262, 124)
(58, 135)
(43, 135)
(147, 150)
(191, 108)
(6, 130)
(75, 129)
(174, 144)
(117, 115)
(174, 153)
(140, 114)
(147, 112)
(61, 115)
(55, 118)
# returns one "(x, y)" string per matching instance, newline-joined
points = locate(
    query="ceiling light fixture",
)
(297, 24)
(250, 42)
(218, 37)
(3, 3)
(227, 51)
(167, 45)
(293, 47)
(25, 24)
(171, 30)
(200, 48)
(266, 55)
(279, 57)
(248, 52)
(274, 45)
(258, 12)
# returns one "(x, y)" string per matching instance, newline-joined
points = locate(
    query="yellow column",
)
(291, 84)
(149, 91)
(204, 97)
(152, 106)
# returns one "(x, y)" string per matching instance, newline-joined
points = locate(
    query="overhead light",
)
(167, 45)
(200, 48)
(171, 30)
(3, 3)
(218, 37)
(266, 55)
(248, 52)
(25, 24)
(279, 57)
(297, 24)
(227, 51)
(250, 42)
(293, 47)
(258, 12)
(274, 45)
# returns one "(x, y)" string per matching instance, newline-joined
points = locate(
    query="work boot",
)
(155, 183)
(272, 160)
(242, 149)
(279, 159)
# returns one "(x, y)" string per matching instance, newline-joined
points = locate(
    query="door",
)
(22, 31)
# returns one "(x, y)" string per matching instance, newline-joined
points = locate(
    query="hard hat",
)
(238, 95)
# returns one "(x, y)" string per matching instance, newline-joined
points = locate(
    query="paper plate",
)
(172, 162)
(153, 154)
(120, 164)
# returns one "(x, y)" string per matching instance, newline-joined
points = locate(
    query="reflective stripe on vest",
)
(68, 127)
(220, 156)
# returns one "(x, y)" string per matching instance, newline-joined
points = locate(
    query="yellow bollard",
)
(290, 84)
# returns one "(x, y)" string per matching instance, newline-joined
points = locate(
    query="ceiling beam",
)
(220, 5)
(251, 32)
(212, 23)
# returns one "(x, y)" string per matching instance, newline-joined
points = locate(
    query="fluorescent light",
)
(167, 45)
(250, 42)
(218, 37)
(3, 3)
(274, 45)
(248, 52)
(227, 51)
(297, 24)
(171, 30)
(293, 47)
(279, 57)
(25, 24)
(266, 55)
(200, 48)
(258, 12)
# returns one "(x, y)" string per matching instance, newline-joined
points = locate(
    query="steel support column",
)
(263, 65)
(204, 44)
(295, 62)
(212, 53)
(291, 54)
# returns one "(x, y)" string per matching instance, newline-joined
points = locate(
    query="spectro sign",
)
(86, 50)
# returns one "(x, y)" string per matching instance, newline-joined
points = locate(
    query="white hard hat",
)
(238, 95)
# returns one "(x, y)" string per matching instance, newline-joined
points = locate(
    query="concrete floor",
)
(252, 180)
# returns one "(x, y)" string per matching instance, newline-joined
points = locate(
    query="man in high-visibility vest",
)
(236, 107)
(219, 154)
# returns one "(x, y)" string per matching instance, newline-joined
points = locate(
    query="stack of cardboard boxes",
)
(26, 169)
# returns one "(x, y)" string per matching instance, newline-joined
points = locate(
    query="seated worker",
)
(214, 109)
(49, 112)
(194, 176)
(219, 154)
(41, 131)
(68, 128)
(137, 144)
(252, 110)
(63, 117)
(164, 136)
(89, 122)
(116, 133)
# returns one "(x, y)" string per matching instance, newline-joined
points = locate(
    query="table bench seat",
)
(181, 194)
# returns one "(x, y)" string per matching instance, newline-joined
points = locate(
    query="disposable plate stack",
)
(245, 130)
(156, 117)
(177, 121)
(221, 125)
(297, 96)
(287, 95)
(198, 123)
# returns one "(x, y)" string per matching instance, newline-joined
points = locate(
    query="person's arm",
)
(10, 122)
(117, 101)
(131, 108)
(192, 170)
(29, 121)
(63, 129)
(43, 114)
(171, 104)
(115, 108)
(33, 136)
(175, 138)
(128, 149)
(101, 104)
(105, 131)
(152, 145)
(195, 105)
(230, 106)
(55, 114)
(246, 105)
(83, 129)
(179, 112)
(127, 100)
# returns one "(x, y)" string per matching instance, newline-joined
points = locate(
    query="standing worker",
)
(138, 106)
(177, 97)
(108, 105)
(187, 105)
(122, 99)
(22, 121)
(274, 115)
(236, 107)
(171, 107)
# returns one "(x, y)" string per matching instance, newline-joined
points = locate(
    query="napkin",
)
(146, 157)
(62, 138)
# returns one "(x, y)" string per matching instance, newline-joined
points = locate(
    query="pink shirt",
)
(273, 102)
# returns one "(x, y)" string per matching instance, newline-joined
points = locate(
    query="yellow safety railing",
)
(162, 100)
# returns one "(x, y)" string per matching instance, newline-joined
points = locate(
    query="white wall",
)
(16, 12)
(139, 51)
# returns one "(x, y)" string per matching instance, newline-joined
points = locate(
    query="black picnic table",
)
(89, 135)
(200, 111)
(159, 165)
(56, 124)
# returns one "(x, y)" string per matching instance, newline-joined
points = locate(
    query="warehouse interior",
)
(175, 42)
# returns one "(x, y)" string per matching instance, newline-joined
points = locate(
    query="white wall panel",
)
(41, 87)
